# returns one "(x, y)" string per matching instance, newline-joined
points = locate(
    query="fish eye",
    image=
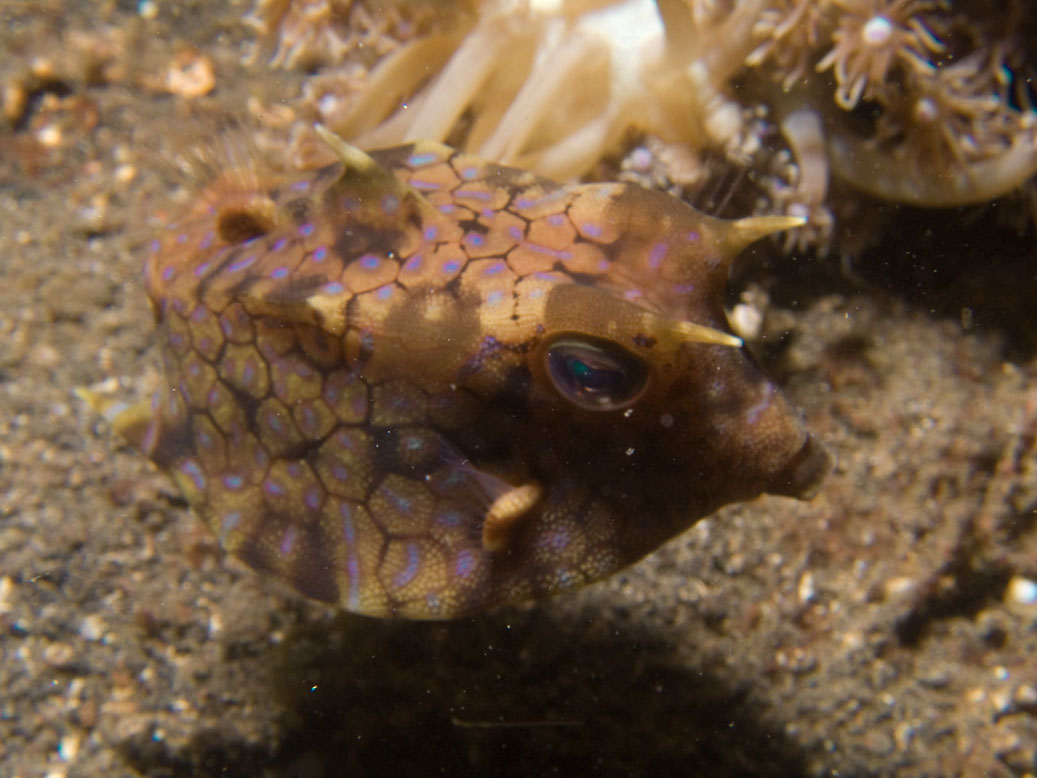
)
(595, 374)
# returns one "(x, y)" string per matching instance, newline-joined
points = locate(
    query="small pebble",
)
(1021, 591)
(92, 627)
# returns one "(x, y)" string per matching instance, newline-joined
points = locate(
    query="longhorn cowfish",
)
(414, 383)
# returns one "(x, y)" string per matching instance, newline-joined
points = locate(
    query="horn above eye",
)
(595, 374)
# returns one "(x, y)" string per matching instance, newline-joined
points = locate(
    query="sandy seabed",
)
(888, 627)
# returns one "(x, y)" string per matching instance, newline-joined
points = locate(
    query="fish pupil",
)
(595, 374)
(595, 378)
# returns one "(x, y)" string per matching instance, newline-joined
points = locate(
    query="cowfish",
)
(414, 383)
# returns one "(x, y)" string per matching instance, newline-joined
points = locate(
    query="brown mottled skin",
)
(417, 384)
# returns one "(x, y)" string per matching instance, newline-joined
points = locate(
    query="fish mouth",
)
(802, 475)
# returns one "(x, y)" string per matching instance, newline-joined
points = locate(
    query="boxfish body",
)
(417, 384)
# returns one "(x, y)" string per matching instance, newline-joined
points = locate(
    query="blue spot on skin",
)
(470, 172)
(333, 288)
(385, 292)
(167, 273)
(233, 482)
(591, 230)
(446, 208)
(412, 264)
(525, 202)
(207, 241)
(306, 229)
(273, 421)
(431, 232)
(535, 294)
(475, 194)
(313, 499)
(352, 566)
(279, 273)
(279, 244)
(424, 186)
(241, 264)
(406, 575)
(684, 288)
(301, 186)
(273, 488)
(474, 239)
(515, 232)
(560, 255)
(632, 294)
(419, 160)
(753, 414)
(449, 519)
(228, 523)
(556, 220)
(694, 236)
(262, 458)
(494, 298)
(288, 540)
(199, 314)
(495, 268)
(370, 261)
(464, 563)
(657, 255)
(402, 504)
(339, 472)
(155, 246)
(320, 253)
(555, 539)
(353, 569)
(567, 578)
(191, 470)
(181, 238)
(348, 528)
(451, 266)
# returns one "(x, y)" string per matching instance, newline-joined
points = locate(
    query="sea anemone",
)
(952, 135)
(790, 31)
(553, 86)
(871, 38)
